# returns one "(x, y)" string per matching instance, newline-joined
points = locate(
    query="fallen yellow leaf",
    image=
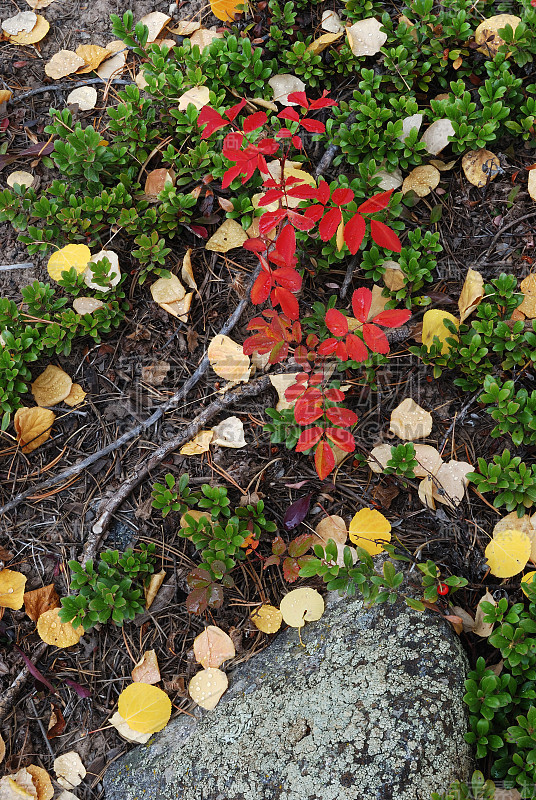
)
(369, 529)
(33, 427)
(471, 294)
(12, 585)
(507, 553)
(72, 255)
(144, 708)
(433, 325)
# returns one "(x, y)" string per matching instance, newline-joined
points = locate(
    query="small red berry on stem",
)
(442, 588)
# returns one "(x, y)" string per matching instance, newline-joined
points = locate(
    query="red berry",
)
(442, 588)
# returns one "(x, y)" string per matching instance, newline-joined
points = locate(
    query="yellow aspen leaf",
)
(228, 360)
(57, 633)
(198, 445)
(93, 56)
(12, 585)
(369, 529)
(51, 387)
(207, 687)
(228, 236)
(528, 287)
(471, 294)
(126, 731)
(300, 606)
(38, 32)
(487, 33)
(507, 553)
(410, 421)
(154, 585)
(41, 781)
(147, 669)
(332, 527)
(227, 10)
(319, 45)
(72, 255)
(480, 167)
(63, 63)
(421, 180)
(155, 22)
(33, 427)
(212, 647)
(75, 396)
(144, 708)
(433, 325)
(267, 618)
(528, 578)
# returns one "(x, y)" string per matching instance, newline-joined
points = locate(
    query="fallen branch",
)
(170, 405)
(7, 700)
(65, 87)
(141, 472)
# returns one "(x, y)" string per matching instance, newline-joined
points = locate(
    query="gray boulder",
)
(370, 708)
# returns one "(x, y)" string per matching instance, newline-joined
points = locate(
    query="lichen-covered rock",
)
(370, 707)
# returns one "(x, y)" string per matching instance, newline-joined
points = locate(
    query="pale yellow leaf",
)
(154, 585)
(281, 383)
(409, 421)
(187, 271)
(433, 325)
(204, 38)
(69, 769)
(283, 85)
(198, 445)
(63, 63)
(366, 37)
(93, 56)
(33, 427)
(23, 22)
(145, 708)
(426, 492)
(179, 308)
(228, 360)
(113, 274)
(436, 137)
(155, 21)
(114, 66)
(482, 628)
(229, 433)
(471, 294)
(207, 687)
(421, 180)
(332, 527)
(198, 97)
(64, 259)
(528, 305)
(300, 606)
(507, 553)
(319, 45)
(185, 27)
(86, 305)
(21, 177)
(124, 730)
(167, 290)
(212, 647)
(147, 670)
(228, 236)
(409, 124)
(480, 167)
(38, 32)
(531, 184)
(85, 98)
(331, 21)
(450, 482)
(51, 386)
(267, 618)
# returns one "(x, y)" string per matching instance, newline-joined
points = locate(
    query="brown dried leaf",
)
(471, 294)
(156, 182)
(267, 618)
(40, 600)
(33, 427)
(487, 33)
(319, 45)
(51, 386)
(187, 272)
(198, 445)
(41, 781)
(2, 749)
(152, 589)
(155, 374)
(147, 670)
(393, 277)
(466, 618)
(212, 647)
(75, 396)
(332, 527)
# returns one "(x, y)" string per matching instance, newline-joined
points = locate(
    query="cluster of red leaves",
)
(317, 406)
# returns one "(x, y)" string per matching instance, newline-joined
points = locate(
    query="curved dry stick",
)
(170, 405)
(7, 700)
(143, 470)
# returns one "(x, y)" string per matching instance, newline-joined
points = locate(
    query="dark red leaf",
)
(59, 726)
(329, 224)
(300, 545)
(32, 669)
(300, 98)
(296, 513)
(336, 322)
(291, 570)
(384, 236)
(313, 125)
(324, 460)
(335, 395)
(278, 546)
(375, 339)
(376, 203)
(254, 121)
(198, 230)
(356, 349)
(354, 232)
(342, 196)
(289, 113)
(327, 347)
(361, 302)
(232, 112)
(341, 438)
(270, 561)
(392, 319)
(289, 305)
(260, 290)
(341, 416)
(81, 691)
(308, 438)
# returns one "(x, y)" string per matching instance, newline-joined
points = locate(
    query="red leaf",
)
(341, 416)
(300, 98)
(376, 203)
(291, 569)
(375, 339)
(361, 302)
(270, 220)
(335, 395)
(261, 288)
(289, 113)
(341, 352)
(336, 322)
(289, 305)
(308, 438)
(271, 196)
(342, 196)
(232, 112)
(270, 561)
(313, 125)
(254, 121)
(392, 319)
(286, 244)
(341, 438)
(305, 412)
(255, 245)
(302, 192)
(212, 121)
(327, 347)
(314, 213)
(324, 460)
(322, 102)
(323, 192)
(300, 545)
(354, 232)
(329, 224)
(384, 236)
(356, 349)
(230, 175)
(299, 221)
(288, 278)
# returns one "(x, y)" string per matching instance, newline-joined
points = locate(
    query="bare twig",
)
(6, 267)
(352, 264)
(110, 505)
(503, 229)
(170, 405)
(7, 700)
(65, 87)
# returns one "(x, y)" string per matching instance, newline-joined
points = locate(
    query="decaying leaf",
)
(40, 600)
(155, 374)
(393, 277)
(482, 628)
(267, 618)
(366, 37)
(207, 687)
(467, 620)
(41, 781)
(63, 63)
(379, 456)
(487, 33)
(421, 180)
(86, 305)
(155, 22)
(281, 383)
(51, 386)
(57, 633)
(124, 730)
(300, 606)
(179, 308)
(38, 32)
(113, 274)
(72, 255)
(369, 529)
(436, 137)
(198, 445)
(198, 96)
(33, 427)
(154, 585)
(229, 433)
(147, 670)
(471, 294)
(450, 482)
(75, 396)
(69, 770)
(332, 527)
(85, 98)
(228, 360)
(283, 85)
(429, 460)
(2, 749)
(409, 124)
(228, 236)
(12, 585)
(113, 67)
(480, 167)
(528, 305)
(37, 5)
(409, 421)
(331, 21)
(531, 184)
(212, 647)
(167, 290)
(23, 22)
(507, 553)
(319, 45)
(156, 182)
(426, 492)
(433, 325)
(145, 708)
(185, 27)
(93, 56)
(19, 786)
(187, 272)
(389, 180)
(204, 38)
(21, 178)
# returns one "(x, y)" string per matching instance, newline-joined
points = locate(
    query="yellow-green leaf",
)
(73, 255)
(369, 529)
(433, 324)
(507, 553)
(144, 708)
